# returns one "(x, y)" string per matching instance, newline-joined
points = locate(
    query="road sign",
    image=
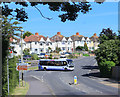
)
(21, 67)
(21, 63)
(75, 80)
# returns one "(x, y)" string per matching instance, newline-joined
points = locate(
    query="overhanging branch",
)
(42, 14)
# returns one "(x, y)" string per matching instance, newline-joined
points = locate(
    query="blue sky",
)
(101, 16)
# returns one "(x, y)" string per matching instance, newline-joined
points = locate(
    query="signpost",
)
(21, 67)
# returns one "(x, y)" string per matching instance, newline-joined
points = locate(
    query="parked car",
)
(19, 60)
(25, 57)
(42, 55)
(63, 56)
(67, 53)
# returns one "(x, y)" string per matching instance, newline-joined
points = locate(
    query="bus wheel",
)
(44, 68)
(65, 69)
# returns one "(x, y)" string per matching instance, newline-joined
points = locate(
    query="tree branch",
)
(42, 14)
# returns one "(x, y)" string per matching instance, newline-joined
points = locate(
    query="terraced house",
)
(39, 43)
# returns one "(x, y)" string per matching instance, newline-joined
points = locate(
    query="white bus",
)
(56, 64)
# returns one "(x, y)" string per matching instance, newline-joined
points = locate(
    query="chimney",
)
(36, 34)
(95, 34)
(77, 33)
(58, 33)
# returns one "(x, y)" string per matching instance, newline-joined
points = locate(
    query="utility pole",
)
(74, 45)
(22, 53)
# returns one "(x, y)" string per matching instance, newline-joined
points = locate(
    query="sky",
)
(101, 16)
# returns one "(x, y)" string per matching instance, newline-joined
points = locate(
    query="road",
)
(61, 82)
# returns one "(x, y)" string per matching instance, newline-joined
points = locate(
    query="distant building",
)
(39, 43)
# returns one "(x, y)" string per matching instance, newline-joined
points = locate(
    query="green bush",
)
(35, 57)
(108, 50)
(86, 55)
(13, 74)
(105, 68)
(71, 56)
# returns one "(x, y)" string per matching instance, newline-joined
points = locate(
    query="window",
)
(68, 42)
(35, 49)
(19, 45)
(63, 42)
(68, 48)
(41, 44)
(35, 42)
(63, 48)
(47, 44)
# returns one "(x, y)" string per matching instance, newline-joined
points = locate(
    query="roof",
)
(76, 38)
(11, 39)
(94, 38)
(35, 38)
(57, 37)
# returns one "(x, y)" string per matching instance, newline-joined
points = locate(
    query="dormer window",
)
(63, 42)
(47, 44)
(41, 44)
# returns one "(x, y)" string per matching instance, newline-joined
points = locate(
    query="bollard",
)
(75, 80)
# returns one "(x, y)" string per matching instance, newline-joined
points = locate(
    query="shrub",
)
(86, 55)
(13, 74)
(50, 57)
(105, 68)
(108, 50)
(34, 57)
(71, 56)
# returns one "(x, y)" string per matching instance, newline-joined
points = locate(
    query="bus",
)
(56, 64)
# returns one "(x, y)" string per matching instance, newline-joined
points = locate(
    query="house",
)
(39, 43)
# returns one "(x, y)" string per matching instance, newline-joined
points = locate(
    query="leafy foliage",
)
(27, 33)
(70, 9)
(8, 29)
(105, 68)
(85, 46)
(107, 34)
(14, 75)
(34, 56)
(26, 51)
(79, 48)
(57, 50)
(108, 53)
(109, 50)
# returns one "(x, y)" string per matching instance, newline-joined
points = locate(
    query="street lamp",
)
(22, 46)
(22, 51)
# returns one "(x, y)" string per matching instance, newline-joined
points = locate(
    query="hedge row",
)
(13, 76)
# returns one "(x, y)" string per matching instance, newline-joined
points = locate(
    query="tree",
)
(26, 51)
(109, 50)
(49, 49)
(8, 28)
(107, 34)
(27, 33)
(70, 9)
(79, 48)
(57, 49)
(85, 46)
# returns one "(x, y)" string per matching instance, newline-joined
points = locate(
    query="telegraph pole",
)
(22, 53)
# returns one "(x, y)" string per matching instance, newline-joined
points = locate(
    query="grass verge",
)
(33, 68)
(21, 90)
